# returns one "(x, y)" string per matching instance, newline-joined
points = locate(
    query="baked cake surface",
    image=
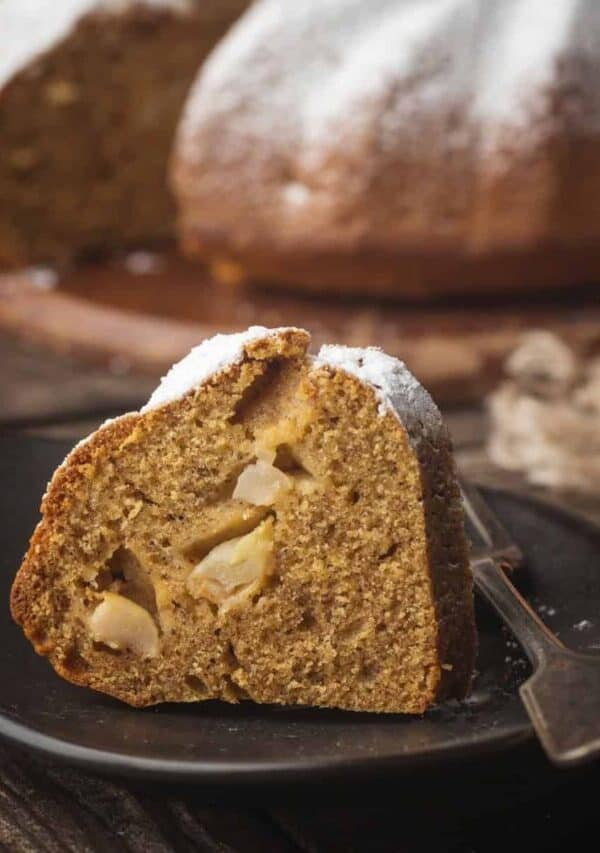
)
(90, 93)
(272, 526)
(409, 147)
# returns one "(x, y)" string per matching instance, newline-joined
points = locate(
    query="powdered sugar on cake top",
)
(388, 376)
(204, 361)
(530, 40)
(199, 365)
(395, 387)
(317, 76)
(29, 28)
(397, 390)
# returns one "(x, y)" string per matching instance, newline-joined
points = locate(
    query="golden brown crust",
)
(448, 546)
(56, 503)
(411, 271)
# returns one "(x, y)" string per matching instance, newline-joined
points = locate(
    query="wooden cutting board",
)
(147, 311)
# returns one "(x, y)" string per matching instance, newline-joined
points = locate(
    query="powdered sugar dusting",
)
(530, 37)
(198, 366)
(30, 27)
(393, 47)
(309, 80)
(204, 361)
(387, 375)
(397, 390)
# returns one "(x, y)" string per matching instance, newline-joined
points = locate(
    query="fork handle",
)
(537, 640)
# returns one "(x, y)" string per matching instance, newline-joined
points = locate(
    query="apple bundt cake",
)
(407, 147)
(271, 526)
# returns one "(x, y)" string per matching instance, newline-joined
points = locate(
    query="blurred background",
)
(419, 175)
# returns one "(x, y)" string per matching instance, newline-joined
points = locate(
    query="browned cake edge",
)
(447, 544)
(411, 272)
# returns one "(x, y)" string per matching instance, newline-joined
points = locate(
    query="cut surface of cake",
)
(410, 147)
(90, 94)
(272, 526)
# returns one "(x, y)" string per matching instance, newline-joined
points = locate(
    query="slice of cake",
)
(271, 526)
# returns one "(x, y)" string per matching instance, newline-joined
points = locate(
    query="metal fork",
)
(562, 697)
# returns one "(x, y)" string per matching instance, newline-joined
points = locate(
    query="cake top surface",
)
(208, 358)
(389, 376)
(30, 27)
(397, 390)
(395, 387)
(322, 71)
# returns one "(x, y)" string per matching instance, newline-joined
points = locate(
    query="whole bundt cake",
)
(90, 94)
(405, 147)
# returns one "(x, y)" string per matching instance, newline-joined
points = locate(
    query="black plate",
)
(223, 744)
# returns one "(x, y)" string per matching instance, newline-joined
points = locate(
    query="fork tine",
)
(494, 539)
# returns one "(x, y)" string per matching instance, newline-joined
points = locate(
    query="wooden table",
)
(513, 800)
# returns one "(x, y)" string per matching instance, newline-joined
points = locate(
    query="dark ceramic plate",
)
(223, 744)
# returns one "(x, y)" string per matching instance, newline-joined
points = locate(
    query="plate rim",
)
(228, 773)
(231, 773)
